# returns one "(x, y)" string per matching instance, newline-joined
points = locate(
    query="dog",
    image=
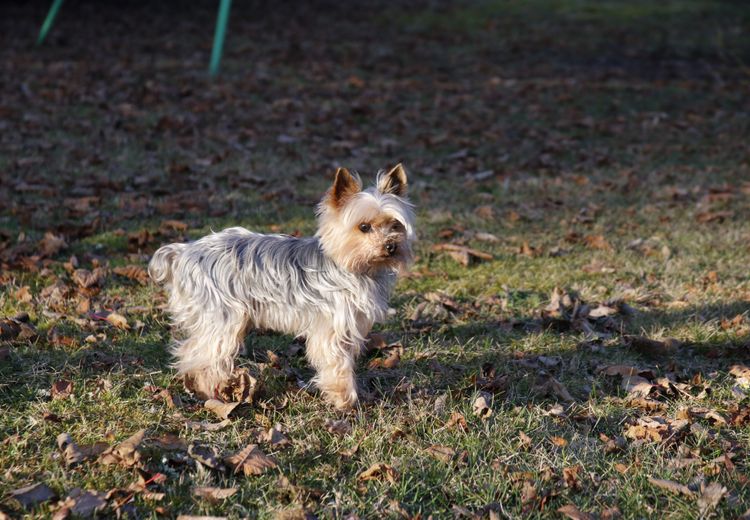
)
(328, 289)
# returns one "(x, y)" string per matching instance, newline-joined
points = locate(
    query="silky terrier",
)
(328, 289)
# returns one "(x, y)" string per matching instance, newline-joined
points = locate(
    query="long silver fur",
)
(226, 282)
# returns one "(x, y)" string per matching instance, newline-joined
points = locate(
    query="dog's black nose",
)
(390, 248)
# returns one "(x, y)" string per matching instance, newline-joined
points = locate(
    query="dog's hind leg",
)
(206, 356)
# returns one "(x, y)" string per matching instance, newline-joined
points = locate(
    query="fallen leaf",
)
(391, 361)
(32, 495)
(457, 419)
(73, 454)
(574, 513)
(481, 405)
(51, 244)
(226, 410)
(546, 385)
(524, 441)
(651, 347)
(706, 217)
(61, 389)
(85, 503)
(379, 471)
(275, 438)
(23, 295)
(239, 388)
(206, 455)
(207, 426)
(597, 242)
(710, 496)
(571, 476)
(558, 441)
(168, 441)
(338, 426)
(671, 486)
(118, 320)
(213, 494)
(251, 461)
(87, 279)
(464, 255)
(126, 453)
(133, 272)
(442, 453)
(656, 429)
(170, 227)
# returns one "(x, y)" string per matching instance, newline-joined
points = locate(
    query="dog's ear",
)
(393, 182)
(344, 187)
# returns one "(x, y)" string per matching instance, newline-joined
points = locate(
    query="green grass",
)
(625, 120)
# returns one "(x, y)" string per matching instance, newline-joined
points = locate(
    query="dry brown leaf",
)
(742, 374)
(651, 347)
(226, 410)
(481, 405)
(705, 217)
(379, 471)
(464, 255)
(457, 419)
(207, 426)
(656, 429)
(546, 385)
(213, 494)
(134, 272)
(170, 227)
(84, 503)
(51, 244)
(671, 486)
(61, 389)
(23, 295)
(206, 455)
(251, 461)
(239, 388)
(126, 453)
(442, 453)
(118, 320)
(275, 438)
(574, 513)
(710, 496)
(524, 441)
(391, 361)
(29, 496)
(338, 426)
(597, 242)
(73, 454)
(571, 476)
(87, 279)
(558, 441)
(168, 441)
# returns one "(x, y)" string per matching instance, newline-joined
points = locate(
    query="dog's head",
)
(366, 231)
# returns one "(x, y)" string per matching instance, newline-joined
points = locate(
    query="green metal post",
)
(47, 25)
(221, 32)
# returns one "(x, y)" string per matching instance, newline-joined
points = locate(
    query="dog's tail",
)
(160, 266)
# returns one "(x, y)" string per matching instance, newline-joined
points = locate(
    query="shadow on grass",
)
(30, 370)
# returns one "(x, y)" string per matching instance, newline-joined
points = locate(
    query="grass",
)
(613, 149)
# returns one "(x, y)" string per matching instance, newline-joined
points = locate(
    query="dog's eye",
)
(364, 227)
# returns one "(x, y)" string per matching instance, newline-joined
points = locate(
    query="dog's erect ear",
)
(394, 182)
(344, 187)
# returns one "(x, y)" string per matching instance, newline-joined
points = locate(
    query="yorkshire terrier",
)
(329, 288)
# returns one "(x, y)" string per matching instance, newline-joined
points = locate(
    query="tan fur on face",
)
(365, 252)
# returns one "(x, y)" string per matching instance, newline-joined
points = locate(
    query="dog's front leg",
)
(334, 360)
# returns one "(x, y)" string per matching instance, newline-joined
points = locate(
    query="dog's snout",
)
(390, 248)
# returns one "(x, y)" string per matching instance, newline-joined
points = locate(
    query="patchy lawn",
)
(573, 340)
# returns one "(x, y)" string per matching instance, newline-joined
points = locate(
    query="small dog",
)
(329, 288)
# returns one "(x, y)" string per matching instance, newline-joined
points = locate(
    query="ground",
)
(573, 339)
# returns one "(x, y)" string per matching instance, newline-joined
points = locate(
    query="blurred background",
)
(117, 103)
